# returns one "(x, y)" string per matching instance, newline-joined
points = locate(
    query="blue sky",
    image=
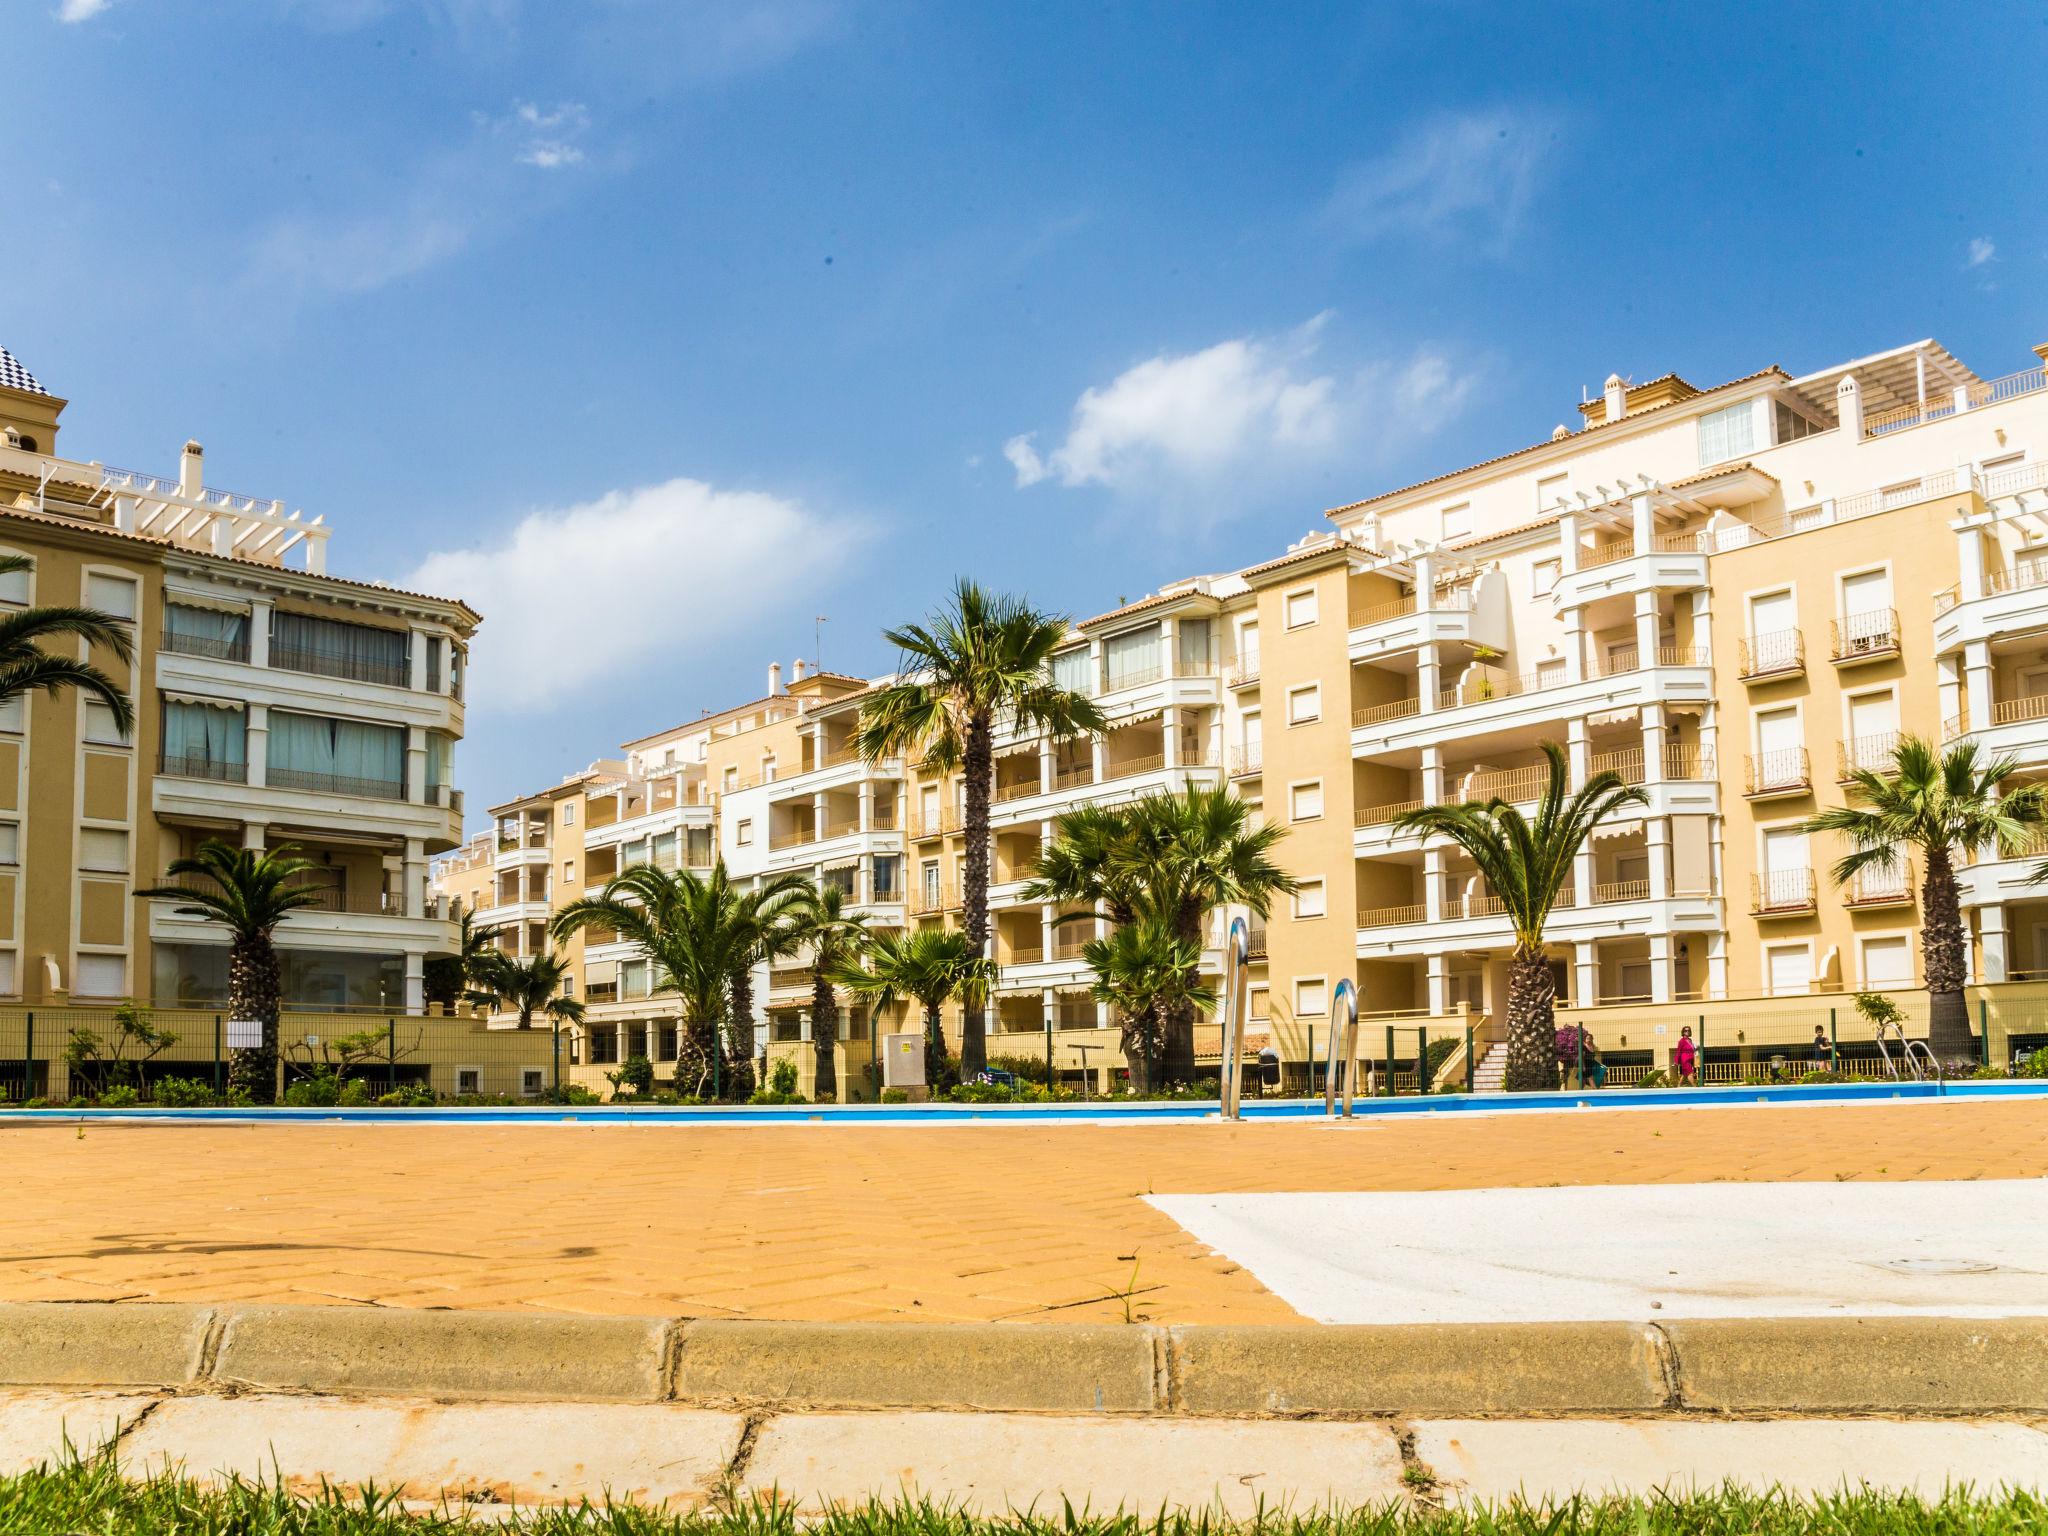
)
(657, 329)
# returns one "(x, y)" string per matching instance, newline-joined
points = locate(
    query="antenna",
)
(818, 623)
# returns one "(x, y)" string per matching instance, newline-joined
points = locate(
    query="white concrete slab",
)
(1639, 1252)
(996, 1462)
(37, 1427)
(1491, 1462)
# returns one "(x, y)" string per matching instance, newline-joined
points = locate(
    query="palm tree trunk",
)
(1141, 1049)
(979, 765)
(1532, 1023)
(252, 994)
(695, 1048)
(1177, 1022)
(934, 1048)
(824, 1040)
(1944, 952)
(737, 1072)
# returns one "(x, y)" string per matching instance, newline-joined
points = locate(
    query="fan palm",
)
(931, 965)
(767, 918)
(983, 656)
(1147, 972)
(248, 892)
(821, 923)
(449, 977)
(1171, 857)
(529, 986)
(1942, 803)
(25, 667)
(1528, 864)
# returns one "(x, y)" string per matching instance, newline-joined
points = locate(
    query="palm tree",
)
(982, 656)
(1148, 973)
(248, 892)
(835, 937)
(766, 917)
(931, 965)
(529, 986)
(1943, 803)
(25, 667)
(1174, 857)
(449, 977)
(1528, 865)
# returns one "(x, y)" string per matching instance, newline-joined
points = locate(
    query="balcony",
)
(1766, 657)
(1245, 762)
(928, 902)
(1941, 406)
(1607, 554)
(1393, 917)
(2020, 710)
(1625, 764)
(937, 824)
(1691, 763)
(1782, 893)
(1379, 714)
(1872, 636)
(1785, 772)
(1857, 754)
(1612, 892)
(177, 644)
(1880, 888)
(355, 669)
(1243, 672)
(335, 784)
(202, 768)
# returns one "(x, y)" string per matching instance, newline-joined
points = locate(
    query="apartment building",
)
(275, 705)
(1729, 595)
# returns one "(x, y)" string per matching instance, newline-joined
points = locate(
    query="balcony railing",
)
(1859, 752)
(356, 669)
(1025, 954)
(1607, 554)
(794, 838)
(1783, 772)
(1448, 600)
(1379, 714)
(1609, 892)
(1023, 789)
(925, 902)
(185, 767)
(202, 645)
(1625, 764)
(1684, 761)
(1485, 683)
(1073, 776)
(1939, 407)
(1779, 653)
(1393, 917)
(1865, 636)
(1385, 815)
(1243, 672)
(937, 824)
(336, 784)
(1880, 887)
(1781, 892)
(2015, 711)
(1511, 784)
(1245, 761)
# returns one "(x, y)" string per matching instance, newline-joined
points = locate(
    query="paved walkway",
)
(964, 1222)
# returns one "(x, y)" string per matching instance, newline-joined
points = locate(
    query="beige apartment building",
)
(1729, 595)
(275, 705)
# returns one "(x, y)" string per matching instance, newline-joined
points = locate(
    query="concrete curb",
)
(1766, 1365)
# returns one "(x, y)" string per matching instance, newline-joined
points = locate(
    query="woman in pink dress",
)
(1687, 1057)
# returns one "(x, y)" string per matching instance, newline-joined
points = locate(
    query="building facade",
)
(1730, 596)
(275, 705)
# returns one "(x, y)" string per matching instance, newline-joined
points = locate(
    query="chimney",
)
(191, 471)
(797, 670)
(774, 678)
(1615, 395)
(1559, 433)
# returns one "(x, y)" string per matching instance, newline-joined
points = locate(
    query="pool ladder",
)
(1915, 1055)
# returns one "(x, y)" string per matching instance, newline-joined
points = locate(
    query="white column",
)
(1657, 837)
(259, 632)
(1647, 633)
(1948, 683)
(1849, 408)
(1433, 884)
(1663, 968)
(415, 981)
(818, 813)
(865, 793)
(416, 660)
(415, 875)
(1578, 750)
(1169, 735)
(1585, 974)
(1977, 682)
(1574, 645)
(1996, 964)
(1439, 971)
(1048, 764)
(1717, 965)
(256, 745)
(1655, 734)
(1567, 542)
(1169, 647)
(415, 765)
(1969, 558)
(254, 835)
(1433, 789)
(1645, 518)
(1428, 677)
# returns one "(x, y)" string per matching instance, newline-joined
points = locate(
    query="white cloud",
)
(1195, 419)
(1459, 176)
(81, 10)
(550, 135)
(661, 568)
(1982, 252)
(362, 252)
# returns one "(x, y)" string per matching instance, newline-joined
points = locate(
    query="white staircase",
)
(1491, 1070)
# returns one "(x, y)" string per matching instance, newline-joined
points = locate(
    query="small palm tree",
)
(835, 937)
(1174, 857)
(983, 656)
(931, 965)
(25, 667)
(449, 978)
(248, 892)
(1147, 972)
(1944, 804)
(1528, 865)
(529, 986)
(766, 918)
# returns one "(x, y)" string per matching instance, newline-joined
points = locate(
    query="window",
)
(568, 986)
(1132, 657)
(190, 630)
(768, 768)
(632, 978)
(743, 834)
(731, 780)
(1312, 900)
(8, 985)
(111, 594)
(604, 1047)
(1306, 801)
(204, 740)
(569, 813)
(1550, 490)
(931, 883)
(1727, 434)
(363, 653)
(1248, 649)
(469, 1081)
(103, 850)
(1071, 670)
(568, 872)
(1457, 522)
(1311, 996)
(1791, 426)
(321, 752)
(1887, 963)
(14, 586)
(14, 715)
(1305, 704)
(1543, 576)
(530, 1082)
(10, 843)
(100, 976)
(101, 728)
(1301, 608)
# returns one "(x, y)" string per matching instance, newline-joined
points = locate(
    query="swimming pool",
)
(1190, 1111)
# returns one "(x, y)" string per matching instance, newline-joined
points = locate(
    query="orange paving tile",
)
(943, 1223)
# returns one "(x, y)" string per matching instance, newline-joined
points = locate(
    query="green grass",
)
(92, 1499)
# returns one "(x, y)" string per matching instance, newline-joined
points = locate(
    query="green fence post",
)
(555, 1046)
(1048, 1052)
(1703, 1050)
(216, 1055)
(1984, 1031)
(1470, 1065)
(1421, 1057)
(391, 1055)
(717, 1065)
(1834, 1043)
(1390, 1061)
(1312, 1059)
(1579, 1045)
(28, 1060)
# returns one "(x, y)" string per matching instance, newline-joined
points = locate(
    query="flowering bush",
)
(1568, 1044)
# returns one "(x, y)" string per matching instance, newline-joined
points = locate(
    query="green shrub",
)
(2035, 1065)
(355, 1093)
(570, 1093)
(121, 1096)
(183, 1093)
(634, 1079)
(895, 1096)
(782, 1077)
(320, 1091)
(1026, 1069)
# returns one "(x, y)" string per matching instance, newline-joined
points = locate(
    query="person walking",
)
(1687, 1058)
(1823, 1053)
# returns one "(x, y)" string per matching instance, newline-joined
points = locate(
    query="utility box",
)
(903, 1061)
